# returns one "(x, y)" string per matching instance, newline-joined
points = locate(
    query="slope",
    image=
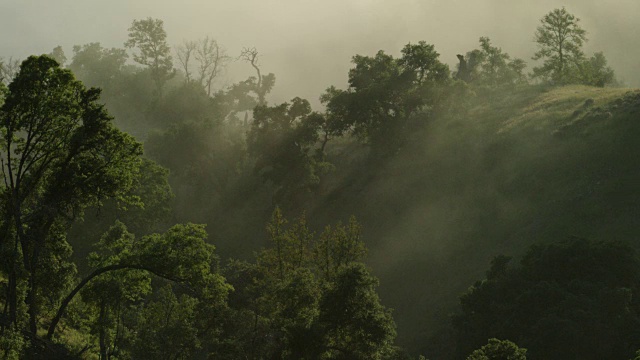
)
(533, 165)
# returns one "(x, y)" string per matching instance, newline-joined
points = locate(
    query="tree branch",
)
(95, 273)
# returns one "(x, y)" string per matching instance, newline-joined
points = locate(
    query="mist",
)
(480, 168)
(308, 44)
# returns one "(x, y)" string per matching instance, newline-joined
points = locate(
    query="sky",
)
(309, 44)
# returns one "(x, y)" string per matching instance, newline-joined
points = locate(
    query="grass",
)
(558, 107)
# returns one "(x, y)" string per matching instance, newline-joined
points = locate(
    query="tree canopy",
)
(385, 94)
(571, 299)
(60, 154)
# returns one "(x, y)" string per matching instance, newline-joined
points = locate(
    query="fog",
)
(309, 44)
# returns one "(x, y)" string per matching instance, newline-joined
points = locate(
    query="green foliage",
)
(296, 247)
(286, 306)
(570, 299)
(186, 103)
(281, 140)
(97, 66)
(338, 247)
(489, 67)
(112, 293)
(150, 39)
(121, 280)
(12, 343)
(61, 154)
(385, 94)
(58, 55)
(167, 328)
(353, 323)
(560, 39)
(499, 350)
(595, 72)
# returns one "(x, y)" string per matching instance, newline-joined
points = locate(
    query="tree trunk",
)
(12, 295)
(65, 302)
(104, 349)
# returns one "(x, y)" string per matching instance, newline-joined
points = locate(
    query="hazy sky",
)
(309, 44)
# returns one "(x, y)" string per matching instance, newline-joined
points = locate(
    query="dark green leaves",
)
(384, 94)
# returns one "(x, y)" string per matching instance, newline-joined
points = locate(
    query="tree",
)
(260, 84)
(58, 55)
(352, 322)
(499, 350)
(281, 140)
(60, 154)
(385, 95)
(125, 87)
(149, 37)
(571, 299)
(8, 70)
(307, 298)
(180, 255)
(111, 293)
(491, 68)
(167, 328)
(560, 39)
(595, 72)
(185, 53)
(97, 66)
(210, 57)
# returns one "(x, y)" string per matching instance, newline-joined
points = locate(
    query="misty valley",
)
(475, 206)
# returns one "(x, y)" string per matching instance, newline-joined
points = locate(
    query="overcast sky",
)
(308, 44)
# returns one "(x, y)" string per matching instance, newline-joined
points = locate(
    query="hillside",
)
(533, 165)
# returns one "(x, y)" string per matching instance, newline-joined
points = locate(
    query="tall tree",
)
(352, 322)
(560, 39)
(308, 299)
(385, 94)
(149, 37)
(60, 154)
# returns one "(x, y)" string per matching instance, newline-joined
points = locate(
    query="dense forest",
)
(482, 211)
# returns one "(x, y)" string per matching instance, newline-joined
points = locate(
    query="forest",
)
(482, 210)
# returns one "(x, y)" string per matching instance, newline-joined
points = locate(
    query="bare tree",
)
(251, 56)
(184, 52)
(212, 58)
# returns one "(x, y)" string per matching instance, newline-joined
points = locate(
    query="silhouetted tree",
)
(150, 39)
(385, 94)
(261, 84)
(560, 39)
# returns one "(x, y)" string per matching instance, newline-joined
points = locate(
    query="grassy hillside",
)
(533, 165)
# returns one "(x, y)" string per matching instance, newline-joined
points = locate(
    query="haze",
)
(309, 44)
